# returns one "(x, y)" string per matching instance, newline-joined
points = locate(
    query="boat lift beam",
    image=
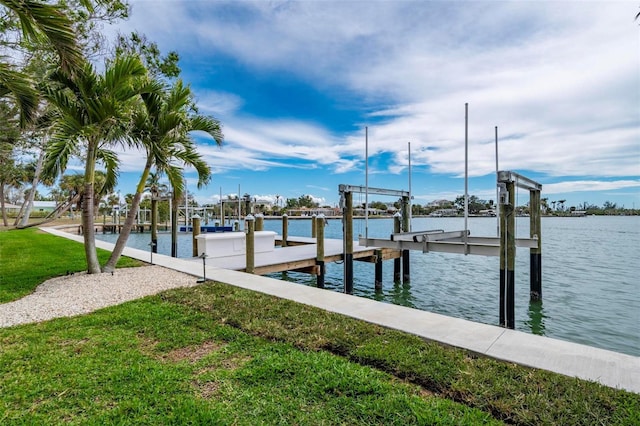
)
(359, 189)
(523, 182)
(483, 246)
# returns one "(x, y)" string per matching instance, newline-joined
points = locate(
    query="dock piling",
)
(319, 221)
(195, 224)
(154, 223)
(313, 226)
(285, 229)
(396, 261)
(535, 254)
(507, 255)
(250, 244)
(259, 222)
(378, 270)
(348, 242)
(406, 227)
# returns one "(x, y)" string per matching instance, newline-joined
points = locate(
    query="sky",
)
(296, 84)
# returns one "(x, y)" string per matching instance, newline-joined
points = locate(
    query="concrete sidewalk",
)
(571, 359)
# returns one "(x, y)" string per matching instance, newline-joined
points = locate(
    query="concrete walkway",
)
(571, 359)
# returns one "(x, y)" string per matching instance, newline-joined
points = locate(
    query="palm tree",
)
(92, 112)
(163, 127)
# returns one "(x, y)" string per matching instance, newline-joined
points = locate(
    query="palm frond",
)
(20, 87)
(176, 179)
(40, 22)
(209, 125)
(57, 156)
(111, 164)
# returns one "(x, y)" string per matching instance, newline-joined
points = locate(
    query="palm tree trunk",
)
(4, 211)
(32, 192)
(121, 243)
(59, 211)
(93, 265)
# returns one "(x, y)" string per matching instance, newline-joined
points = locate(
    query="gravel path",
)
(82, 293)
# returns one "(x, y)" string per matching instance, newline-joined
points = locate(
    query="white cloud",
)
(560, 79)
(589, 185)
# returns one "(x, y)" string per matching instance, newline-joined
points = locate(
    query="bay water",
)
(590, 275)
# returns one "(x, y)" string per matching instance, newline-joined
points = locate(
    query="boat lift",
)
(461, 242)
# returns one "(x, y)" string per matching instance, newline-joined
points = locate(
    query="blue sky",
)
(296, 83)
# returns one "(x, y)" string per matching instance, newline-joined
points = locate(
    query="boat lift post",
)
(346, 202)
(507, 182)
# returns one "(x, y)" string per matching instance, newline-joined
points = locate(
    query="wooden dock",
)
(300, 255)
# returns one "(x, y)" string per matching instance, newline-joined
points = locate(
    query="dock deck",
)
(299, 255)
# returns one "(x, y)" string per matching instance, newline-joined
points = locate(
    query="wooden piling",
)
(313, 226)
(348, 242)
(406, 273)
(378, 270)
(154, 224)
(174, 225)
(195, 224)
(259, 222)
(250, 244)
(396, 261)
(508, 258)
(319, 221)
(535, 254)
(285, 229)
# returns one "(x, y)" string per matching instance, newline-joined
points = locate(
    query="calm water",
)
(590, 269)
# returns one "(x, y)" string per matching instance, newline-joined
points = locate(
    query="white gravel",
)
(82, 293)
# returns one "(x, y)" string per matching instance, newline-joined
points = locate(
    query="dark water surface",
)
(590, 276)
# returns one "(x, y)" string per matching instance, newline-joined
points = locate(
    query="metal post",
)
(250, 244)
(285, 229)
(410, 196)
(366, 182)
(466, 177)
(153, 250)
(203, 256)
(348, 242)
(497, 207)
(507, 257)
(535, 254)
(319, 221)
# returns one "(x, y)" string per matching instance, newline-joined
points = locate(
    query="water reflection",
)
(536, 318)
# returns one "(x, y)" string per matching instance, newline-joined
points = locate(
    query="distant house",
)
(444, 213)
(44, 206)
(11, 208)
(305, 211)
(438, 203)
(489, 212)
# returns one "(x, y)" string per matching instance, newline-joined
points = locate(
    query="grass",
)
(217, 354)
(31, 256)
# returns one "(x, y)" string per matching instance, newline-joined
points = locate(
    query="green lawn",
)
(29, 256)
(217, 354)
